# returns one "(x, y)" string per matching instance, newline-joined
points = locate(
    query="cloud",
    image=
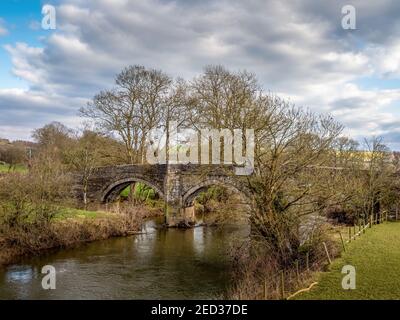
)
(22, 111)
(298, 50)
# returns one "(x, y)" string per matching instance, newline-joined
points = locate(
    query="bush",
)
(29, 202)
(210, 198)
(12, 155)
(341, 215)
(257, 271)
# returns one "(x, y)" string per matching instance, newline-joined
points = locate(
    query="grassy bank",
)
(36, 214)
(376, 258)
(69, 227)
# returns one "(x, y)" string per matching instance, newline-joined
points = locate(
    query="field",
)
(376, 258)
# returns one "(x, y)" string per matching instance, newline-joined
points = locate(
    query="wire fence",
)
(354, 231)
(289, 282)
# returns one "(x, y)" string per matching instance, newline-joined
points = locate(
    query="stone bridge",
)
(177, 184)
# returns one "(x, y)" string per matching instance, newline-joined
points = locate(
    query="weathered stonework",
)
(177, 184)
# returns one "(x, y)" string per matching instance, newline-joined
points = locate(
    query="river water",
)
(160, 264)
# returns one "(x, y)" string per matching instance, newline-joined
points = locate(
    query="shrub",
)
(208, 199)
(342, 215)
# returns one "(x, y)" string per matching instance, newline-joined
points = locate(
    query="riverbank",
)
(69, 228)
(375, 257)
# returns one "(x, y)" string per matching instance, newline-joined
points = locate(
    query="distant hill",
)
(25, 144)
(4, 141)
(18, 143)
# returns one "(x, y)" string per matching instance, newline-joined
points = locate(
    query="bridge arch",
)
(115, 188)
(193, 192)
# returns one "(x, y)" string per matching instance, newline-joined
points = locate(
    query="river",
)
(159, 264)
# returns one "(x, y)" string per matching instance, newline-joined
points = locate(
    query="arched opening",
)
(114, 191)
(218, 203)
(144, 206)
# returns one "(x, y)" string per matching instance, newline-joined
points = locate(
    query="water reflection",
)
(20, 274)
(198, 240)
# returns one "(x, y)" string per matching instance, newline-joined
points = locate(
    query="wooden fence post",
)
(341, 238)
(327, 252)
(370, 221)
(307, 261)
(297, 271)
(349, 234)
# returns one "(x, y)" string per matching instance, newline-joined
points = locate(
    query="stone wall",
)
(177, 184)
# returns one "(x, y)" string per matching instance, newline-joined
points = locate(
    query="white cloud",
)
(26, 61)
(22, 111)
(297, 49)
(385, 59)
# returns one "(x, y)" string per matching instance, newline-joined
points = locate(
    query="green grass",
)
(61, 214)
(19, 168)
(376, 258)
(70, 213)
(141, 191)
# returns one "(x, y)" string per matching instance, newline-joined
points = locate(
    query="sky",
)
(298, 49)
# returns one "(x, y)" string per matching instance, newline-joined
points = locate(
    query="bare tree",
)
(344, 152)
(291, 144)
(54, 135)
(84, 156)
(223, 99)
(378, 172)
(132, 108)
(289, 181)
(12, 155)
